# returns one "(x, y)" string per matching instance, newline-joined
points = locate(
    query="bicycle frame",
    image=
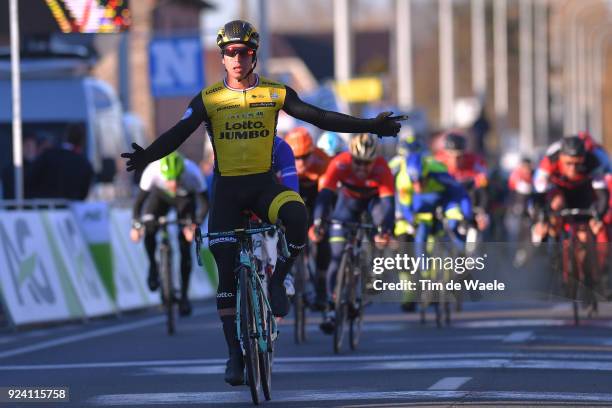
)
(246, 259)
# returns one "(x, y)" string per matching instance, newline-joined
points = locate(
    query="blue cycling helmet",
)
(331, 143)
(409, 143)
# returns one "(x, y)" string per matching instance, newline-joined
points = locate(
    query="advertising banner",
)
(176, 66)
(93, 220)
(129, 264)
(32, 289)
(78, 262)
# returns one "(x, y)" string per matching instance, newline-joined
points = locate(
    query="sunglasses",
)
(573, 163)
(304, 157)
(362, 163)
(242, 51)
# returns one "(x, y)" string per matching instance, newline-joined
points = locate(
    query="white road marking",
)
(484, 337)
(449, 383)
(332, 367)
(513, 323)
(518, 337)
(556, 357)
(95, 333)
(320, 396)
(4, 340)
(562, 307)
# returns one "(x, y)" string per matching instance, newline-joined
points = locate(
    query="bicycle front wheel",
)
(248, 333)
(573, 280)
(357, 294)
(299, 324)
(341, 300)
(167, 289)
(266, 356)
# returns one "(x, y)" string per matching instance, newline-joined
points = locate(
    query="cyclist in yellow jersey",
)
(240, 115)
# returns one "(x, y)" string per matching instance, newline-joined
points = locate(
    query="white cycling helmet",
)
(363, 146)
(331, 143)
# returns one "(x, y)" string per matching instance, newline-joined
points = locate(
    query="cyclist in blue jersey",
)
(422, 185)
(283, 164)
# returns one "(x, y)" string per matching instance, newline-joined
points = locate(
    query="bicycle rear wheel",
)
(167, 289)
(341, 300)
(248, 333)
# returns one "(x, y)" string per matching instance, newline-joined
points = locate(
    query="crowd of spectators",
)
(52, 171)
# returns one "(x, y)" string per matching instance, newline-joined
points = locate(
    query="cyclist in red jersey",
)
(468, 169)
(569, 178)
(591, 146)
(367, 185)
(311, 164)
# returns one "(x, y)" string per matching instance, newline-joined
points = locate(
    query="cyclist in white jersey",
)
(172, 182)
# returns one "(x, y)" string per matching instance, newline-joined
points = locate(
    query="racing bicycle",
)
(256, 326)
(169, 292)
(349, 292)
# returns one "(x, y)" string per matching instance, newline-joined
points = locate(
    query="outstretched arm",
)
(382, 125)
(170, 140)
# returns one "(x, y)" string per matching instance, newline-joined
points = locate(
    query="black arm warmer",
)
(324, 200)
(202, 207)
(170, 140)
(601, 202)
(326, 120)
(388, 209)
(139, 203)
(539, 207)
(481, 198)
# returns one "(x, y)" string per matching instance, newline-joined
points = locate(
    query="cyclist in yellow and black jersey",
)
(240, 114)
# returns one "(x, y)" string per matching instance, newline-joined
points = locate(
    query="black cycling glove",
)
(137, 159)
(386, 125)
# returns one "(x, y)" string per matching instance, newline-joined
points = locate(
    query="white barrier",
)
(200, 286)
(78, 263)
(32, 289)
(129, 265)
(47, 272)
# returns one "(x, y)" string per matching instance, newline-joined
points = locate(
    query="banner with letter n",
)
(176, 66)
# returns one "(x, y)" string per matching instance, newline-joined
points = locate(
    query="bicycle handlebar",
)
(355, 225)
(241, 232)
(577, 212)
(163, 221)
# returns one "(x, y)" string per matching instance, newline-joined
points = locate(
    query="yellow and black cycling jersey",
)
(241, 124)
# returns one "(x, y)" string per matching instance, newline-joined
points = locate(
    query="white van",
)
(57, 92)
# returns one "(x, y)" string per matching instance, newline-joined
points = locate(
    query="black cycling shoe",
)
(319, 305)
(278, 299)
(234, 370)
(328, 325)
(185, 307)
(153, 279)
(409, 307)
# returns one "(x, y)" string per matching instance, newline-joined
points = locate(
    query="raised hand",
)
(136, 159)
(387, 125)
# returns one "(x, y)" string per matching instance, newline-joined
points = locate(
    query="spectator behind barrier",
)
(63, 172)
(30, 151)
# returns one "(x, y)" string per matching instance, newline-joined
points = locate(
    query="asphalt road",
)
(494, 354)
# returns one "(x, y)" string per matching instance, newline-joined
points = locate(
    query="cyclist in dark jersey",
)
(240, 114)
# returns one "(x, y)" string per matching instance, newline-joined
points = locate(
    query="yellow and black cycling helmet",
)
(238, 32)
